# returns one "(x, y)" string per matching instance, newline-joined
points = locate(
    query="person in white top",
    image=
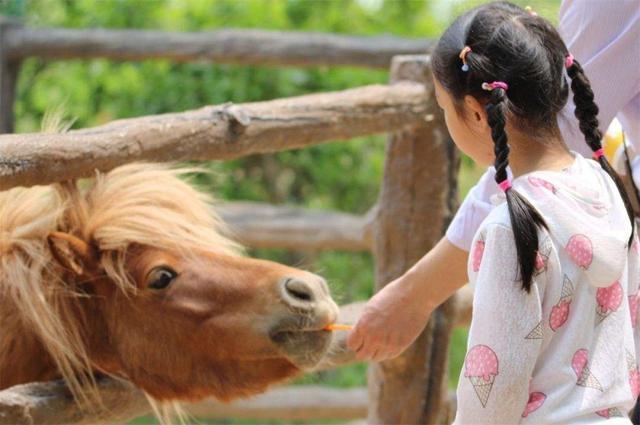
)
(556, 256)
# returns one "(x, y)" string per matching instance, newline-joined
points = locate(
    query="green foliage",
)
(343, 176)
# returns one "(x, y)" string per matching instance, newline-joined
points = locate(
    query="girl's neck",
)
(528, 154)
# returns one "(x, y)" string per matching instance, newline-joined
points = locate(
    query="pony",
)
(130, 275)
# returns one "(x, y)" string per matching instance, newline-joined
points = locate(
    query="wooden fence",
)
(417, 199)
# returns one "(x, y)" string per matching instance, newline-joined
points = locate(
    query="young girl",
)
(555, 265)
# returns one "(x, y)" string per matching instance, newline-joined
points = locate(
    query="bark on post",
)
(9, 68)
(417, 198)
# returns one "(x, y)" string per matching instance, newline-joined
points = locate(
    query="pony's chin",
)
(303, 348)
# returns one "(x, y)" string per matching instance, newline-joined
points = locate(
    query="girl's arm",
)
(394, 317)
(505, 336)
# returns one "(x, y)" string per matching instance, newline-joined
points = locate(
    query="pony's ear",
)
(71, 252)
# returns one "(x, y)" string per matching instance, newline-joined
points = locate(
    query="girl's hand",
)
(392, 319)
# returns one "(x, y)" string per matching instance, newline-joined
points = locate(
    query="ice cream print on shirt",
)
(560, 311)
(478, 251)
(608, 300)
(481, 367)
(536, 333)
(542, 256)
(536, 399)
(580, 250)
(580, 365)
(610, 413)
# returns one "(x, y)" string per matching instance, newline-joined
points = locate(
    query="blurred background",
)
(94, 92)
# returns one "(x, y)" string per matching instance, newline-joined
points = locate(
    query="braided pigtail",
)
(525, 220)
(587, 113)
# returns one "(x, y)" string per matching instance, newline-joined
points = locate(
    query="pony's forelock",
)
(148, 205)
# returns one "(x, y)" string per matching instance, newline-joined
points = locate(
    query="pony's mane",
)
(136, 204)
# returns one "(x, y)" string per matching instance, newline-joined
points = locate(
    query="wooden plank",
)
(213, 132)
(295, 403)
(50, 403)
(416, 200)
(47, 403)
(241, 46)
(261, 225)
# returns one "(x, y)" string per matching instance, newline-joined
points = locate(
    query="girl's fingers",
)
(369, 347)
(375, 354)
(355, 339)
(381, 356)
(366, 353)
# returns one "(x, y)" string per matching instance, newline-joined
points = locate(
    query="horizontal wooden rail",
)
(260, 225)
(241, 46)
(50, 403)
(213, 132)
(295, 403)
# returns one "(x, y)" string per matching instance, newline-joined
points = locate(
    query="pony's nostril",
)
(299, 290)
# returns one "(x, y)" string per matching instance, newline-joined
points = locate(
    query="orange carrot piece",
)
(338, 327)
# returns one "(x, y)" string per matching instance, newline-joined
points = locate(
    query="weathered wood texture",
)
(9, 68)
(51, 403)
(241, 46)
(416, 200)
(214, 132)
(308, 403)
(260, 225)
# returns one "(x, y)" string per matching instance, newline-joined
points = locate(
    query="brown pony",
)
(130, 276)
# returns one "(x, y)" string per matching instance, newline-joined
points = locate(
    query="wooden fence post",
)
(417, 199)
(9, 69)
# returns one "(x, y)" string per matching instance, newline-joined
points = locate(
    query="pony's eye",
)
(160, 277)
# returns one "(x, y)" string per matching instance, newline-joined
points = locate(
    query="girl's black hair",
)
(524, 50)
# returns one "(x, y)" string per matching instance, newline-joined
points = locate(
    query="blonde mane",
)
(141, 204)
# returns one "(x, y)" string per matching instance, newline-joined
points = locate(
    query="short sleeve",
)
(474, 209)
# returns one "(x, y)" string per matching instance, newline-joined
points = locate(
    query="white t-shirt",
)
(564, 353)
(604, 35)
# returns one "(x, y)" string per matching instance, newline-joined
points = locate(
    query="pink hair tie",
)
(495, 85)
(598, 154)
(568, 61)
(505, 185)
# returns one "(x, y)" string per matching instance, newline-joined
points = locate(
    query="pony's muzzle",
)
(299, 333)
(304, 294)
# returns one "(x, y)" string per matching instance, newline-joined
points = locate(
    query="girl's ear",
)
(476, 114)
(71, 252)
